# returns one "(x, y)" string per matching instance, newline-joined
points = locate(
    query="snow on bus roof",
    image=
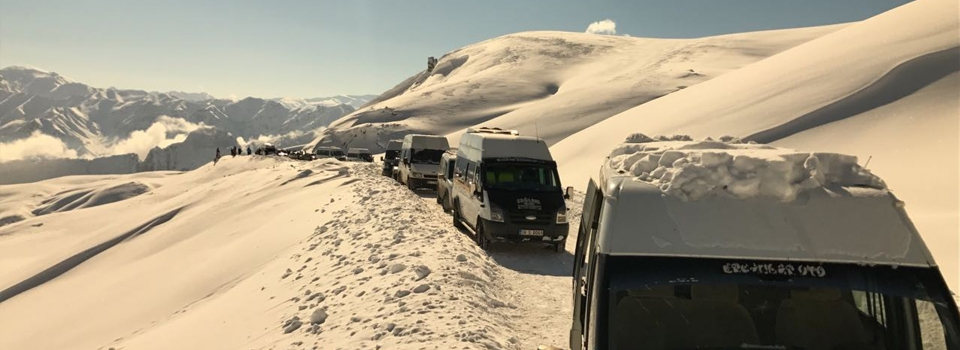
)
(679, 197)
(691, 170)
(493, 145)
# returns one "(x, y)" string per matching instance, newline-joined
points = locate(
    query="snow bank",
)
(390, 271)
(253, 253)
(693, 169)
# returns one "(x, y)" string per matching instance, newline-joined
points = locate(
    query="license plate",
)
(528, 233)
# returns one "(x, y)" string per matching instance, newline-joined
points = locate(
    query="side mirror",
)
(568, 192)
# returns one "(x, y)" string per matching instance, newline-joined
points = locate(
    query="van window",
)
(660, 302)
(521, 176)
(426, 156)
(470, 171)
(391, 154)
(448, 172)
(461, 166)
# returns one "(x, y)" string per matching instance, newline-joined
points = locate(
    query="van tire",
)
(560, 247)
(410, 185)
(482, 240)
(456, 216)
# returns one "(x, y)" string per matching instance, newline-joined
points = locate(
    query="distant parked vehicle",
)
(420, 160)
(506, 188)
(269, 149)
(330, 152)
(303, 155)
(392, 157)
(359, 155)
(445, 181)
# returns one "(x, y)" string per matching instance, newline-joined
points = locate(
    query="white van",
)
(359, 155)
(445, 181)
(420, 160)
(713, 245)
(506, 188)
(391, 158)
(329, 152)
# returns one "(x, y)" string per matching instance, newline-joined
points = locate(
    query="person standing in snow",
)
(233, 151)
(217, 157)
(248, 150)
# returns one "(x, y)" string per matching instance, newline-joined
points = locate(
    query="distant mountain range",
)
(92, 120)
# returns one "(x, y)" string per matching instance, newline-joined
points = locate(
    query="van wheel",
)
(410, 184)
(560, 247)
(482, 240)
(456, 216)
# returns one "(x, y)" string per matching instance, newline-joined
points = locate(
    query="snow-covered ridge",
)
(552, 84)
(692, 170)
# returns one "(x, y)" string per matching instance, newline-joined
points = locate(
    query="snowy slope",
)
(552, 83)
(243, 255)
(885, 87)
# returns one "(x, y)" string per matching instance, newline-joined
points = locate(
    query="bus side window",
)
(460, 166)
(586, 239)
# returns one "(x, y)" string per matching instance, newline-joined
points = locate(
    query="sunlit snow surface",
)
(692, 169)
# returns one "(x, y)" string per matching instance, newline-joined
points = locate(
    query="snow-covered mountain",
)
(92, 121)
(189, 96)
(355, 101)
(552, 83)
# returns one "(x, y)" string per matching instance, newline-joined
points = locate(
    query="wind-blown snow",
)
(164, 132)
(691, 170)
(36, 146)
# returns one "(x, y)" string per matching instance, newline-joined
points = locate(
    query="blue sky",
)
(302, 48)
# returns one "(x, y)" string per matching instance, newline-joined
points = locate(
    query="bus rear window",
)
(677, 303)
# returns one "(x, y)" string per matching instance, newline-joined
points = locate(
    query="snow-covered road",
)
(538, 281)
(343, 259)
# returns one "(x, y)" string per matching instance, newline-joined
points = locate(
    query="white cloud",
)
(164, 132)
(607, 27)
(38, 145)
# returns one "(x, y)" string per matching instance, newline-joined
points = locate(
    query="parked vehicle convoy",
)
(420, 160)
(835, 265)
(359, 155)
(391, 158)
(269, 149)
(330, 152)
(506, 188)
(445, 180)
